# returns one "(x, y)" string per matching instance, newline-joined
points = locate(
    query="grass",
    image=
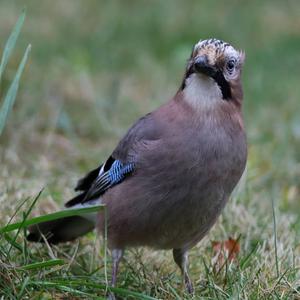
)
(10, 97)
(94, 69)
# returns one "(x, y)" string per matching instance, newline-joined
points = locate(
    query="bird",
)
(170, 176)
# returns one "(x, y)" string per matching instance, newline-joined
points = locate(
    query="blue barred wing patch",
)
(106, 179)
(118, 171)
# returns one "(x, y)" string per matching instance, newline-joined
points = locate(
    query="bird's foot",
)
(111, 296)
(188, 284)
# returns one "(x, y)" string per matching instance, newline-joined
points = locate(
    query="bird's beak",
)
(201, 65)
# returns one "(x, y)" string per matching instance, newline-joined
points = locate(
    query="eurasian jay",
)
(170, 176)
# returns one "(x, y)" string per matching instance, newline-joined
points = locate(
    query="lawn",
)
(94, 68)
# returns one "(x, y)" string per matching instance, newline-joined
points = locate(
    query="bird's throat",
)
(202, 92)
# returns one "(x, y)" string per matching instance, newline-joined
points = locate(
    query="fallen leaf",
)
(224, 251)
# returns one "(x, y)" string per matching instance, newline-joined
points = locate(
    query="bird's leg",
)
(117, 254)
(116, 257)
(181, 258)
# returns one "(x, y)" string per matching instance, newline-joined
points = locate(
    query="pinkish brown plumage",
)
(171, 175)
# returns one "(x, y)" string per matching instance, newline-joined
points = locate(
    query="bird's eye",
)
(230, 65)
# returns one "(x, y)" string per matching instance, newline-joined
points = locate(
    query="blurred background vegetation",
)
(96, 66)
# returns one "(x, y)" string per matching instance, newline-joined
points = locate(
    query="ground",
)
(94, 68)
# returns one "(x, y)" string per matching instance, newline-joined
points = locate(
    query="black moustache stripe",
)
(223, 84)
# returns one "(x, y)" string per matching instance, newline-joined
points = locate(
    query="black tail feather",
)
(62, 230)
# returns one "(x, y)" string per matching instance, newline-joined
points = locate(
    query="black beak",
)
(201, 65)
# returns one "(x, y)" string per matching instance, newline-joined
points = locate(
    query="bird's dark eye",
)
(230, 65)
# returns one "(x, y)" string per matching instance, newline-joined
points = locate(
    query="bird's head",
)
(215, 65)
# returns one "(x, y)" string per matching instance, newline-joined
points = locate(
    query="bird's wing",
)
(85, 182)
(119, 165)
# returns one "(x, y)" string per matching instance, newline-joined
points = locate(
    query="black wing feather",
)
(85, 183)
(76, 200)
(92, 182)
(99, 186)
(117, 172)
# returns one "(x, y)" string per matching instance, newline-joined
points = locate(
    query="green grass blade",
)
(78, 283)
(51, 217)
(10, 44)
(62, 287)
(17, 209)
(44, 264)
(22, 289)
(12, 91)
(12, 242)
(25, 215)
(275, 234)
(247, 259)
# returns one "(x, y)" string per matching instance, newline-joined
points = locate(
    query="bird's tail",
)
(61, 230)
(64, 229)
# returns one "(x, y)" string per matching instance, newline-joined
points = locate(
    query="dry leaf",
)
(224, 251)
